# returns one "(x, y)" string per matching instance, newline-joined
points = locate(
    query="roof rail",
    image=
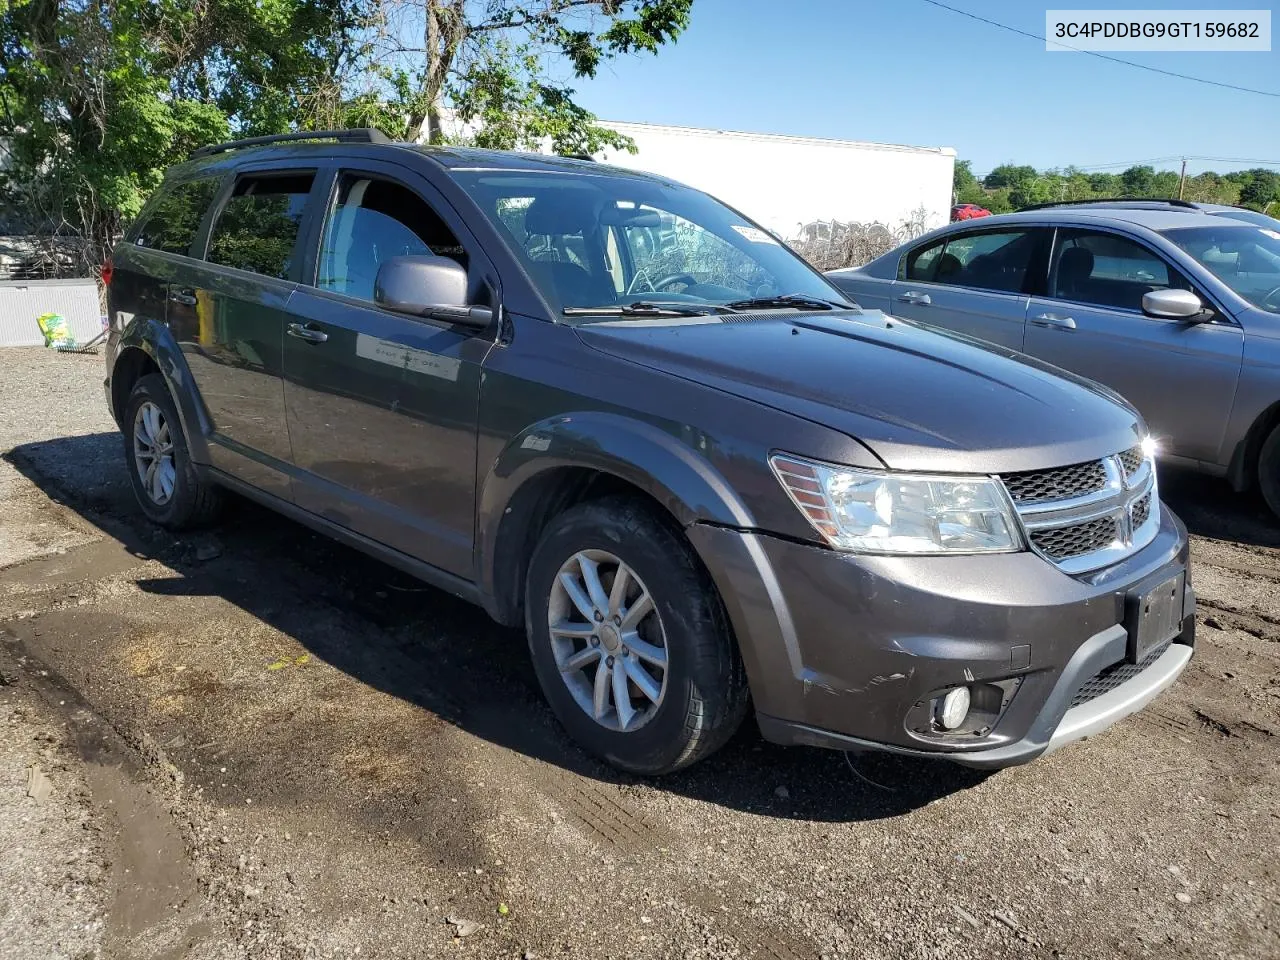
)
(1103, 201)
(356, 135)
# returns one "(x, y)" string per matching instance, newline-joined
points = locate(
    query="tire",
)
(178, 499)
(703, 694)
(1269, 471)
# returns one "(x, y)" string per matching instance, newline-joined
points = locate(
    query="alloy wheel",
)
(153, 452)
(608, 640)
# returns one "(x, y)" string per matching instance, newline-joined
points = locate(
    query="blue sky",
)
(902, 71)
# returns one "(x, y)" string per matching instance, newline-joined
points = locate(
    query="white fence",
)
(22, 301)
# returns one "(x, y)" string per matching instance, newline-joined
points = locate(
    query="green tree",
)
(97, 97)
(1261, 190)
(1008, 175)
(1137, 181)
(494, 64)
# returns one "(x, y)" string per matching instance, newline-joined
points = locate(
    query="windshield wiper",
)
(642, 308)
(795, 301)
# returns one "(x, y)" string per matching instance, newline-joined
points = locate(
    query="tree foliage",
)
(97, 97)
(1010, 187)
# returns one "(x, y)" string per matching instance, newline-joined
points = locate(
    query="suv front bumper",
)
(846, 651)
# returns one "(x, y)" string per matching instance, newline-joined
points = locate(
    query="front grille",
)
(1140, 511)
(1088, 515)
(1131, 460)
(1107, 679)
(1061, 483)
(1063, 543)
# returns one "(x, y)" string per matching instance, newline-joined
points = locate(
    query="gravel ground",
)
(281, 748)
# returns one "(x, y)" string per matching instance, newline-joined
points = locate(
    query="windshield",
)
(595, 240)
(1249, 216)
(1246, 259)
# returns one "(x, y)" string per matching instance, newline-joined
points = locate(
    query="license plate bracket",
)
(1154, 615)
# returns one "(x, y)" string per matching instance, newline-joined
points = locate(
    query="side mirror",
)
(428, 286)
(1173, 305)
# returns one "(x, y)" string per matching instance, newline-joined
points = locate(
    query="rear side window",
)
(173, 222)
(257, 229)
(993, 260)
(373, 220)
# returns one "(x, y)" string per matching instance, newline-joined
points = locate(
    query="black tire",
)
(706, 695)
(1269, 471)
(194, 502)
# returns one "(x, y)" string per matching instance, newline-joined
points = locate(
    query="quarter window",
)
(371, 221)
(257, 230)
(921, 262)
(174, 221)
(1107, 270)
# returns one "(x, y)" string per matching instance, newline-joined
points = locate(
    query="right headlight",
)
(869, 511)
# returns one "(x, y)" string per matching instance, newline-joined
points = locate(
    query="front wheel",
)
(630, 640)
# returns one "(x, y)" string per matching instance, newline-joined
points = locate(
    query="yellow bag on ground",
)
(55, 330)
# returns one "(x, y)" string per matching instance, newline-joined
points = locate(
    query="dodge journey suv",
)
(610, 409)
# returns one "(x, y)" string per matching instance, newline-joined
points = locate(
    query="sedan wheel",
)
(608, 640)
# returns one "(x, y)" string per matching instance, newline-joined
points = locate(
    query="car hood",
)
(919, 398)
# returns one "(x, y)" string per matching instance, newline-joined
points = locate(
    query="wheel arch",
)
(147, 346)
(557, 463)
(1242, 472)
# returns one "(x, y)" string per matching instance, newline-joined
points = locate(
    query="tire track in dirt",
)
(609, 821)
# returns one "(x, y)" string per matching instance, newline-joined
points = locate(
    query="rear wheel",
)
(630, 640)
(164, 479)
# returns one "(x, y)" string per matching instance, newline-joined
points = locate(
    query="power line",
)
(1102, 56)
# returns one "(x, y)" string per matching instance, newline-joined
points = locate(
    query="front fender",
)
(155, 340)
(665, 466)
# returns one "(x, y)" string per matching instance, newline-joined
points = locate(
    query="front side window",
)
(595, 240)
(992, 260)
(1245, 258)
(173, 222)
(257, 229)
(371, 221)
(1106, 270)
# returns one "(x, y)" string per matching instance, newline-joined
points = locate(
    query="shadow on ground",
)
(445, 656)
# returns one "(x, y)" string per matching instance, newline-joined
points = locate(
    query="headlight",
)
(869, 511)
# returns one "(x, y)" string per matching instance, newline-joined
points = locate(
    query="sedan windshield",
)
(596, 240)
(1246, 259)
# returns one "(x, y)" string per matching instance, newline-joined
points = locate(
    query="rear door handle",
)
(1052, 320)
(914, 296)
(307, 332)
(185, 297)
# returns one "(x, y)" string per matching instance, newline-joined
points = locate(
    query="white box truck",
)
(795, 185)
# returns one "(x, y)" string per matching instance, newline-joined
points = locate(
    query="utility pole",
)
(1182, 180)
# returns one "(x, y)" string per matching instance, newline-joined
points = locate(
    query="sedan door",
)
(1181, 376)
(975, 282)
(382, 407)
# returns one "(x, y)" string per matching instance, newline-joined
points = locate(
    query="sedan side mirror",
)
(1173, 304)
(428, 286)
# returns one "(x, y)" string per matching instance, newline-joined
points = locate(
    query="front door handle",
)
(1053, 321)
(914, 296)
(185, 297)
(307, 332)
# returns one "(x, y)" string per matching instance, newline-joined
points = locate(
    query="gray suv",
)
(1174, 305)
(617, 414)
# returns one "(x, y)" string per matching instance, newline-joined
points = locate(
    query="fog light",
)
(1150, 447)
(955, 707)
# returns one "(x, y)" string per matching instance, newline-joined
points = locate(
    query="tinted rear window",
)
(174, 220)
(257, 230)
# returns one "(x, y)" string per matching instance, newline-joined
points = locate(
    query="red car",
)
(968, 211)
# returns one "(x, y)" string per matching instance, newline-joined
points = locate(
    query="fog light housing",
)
(953, 708)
